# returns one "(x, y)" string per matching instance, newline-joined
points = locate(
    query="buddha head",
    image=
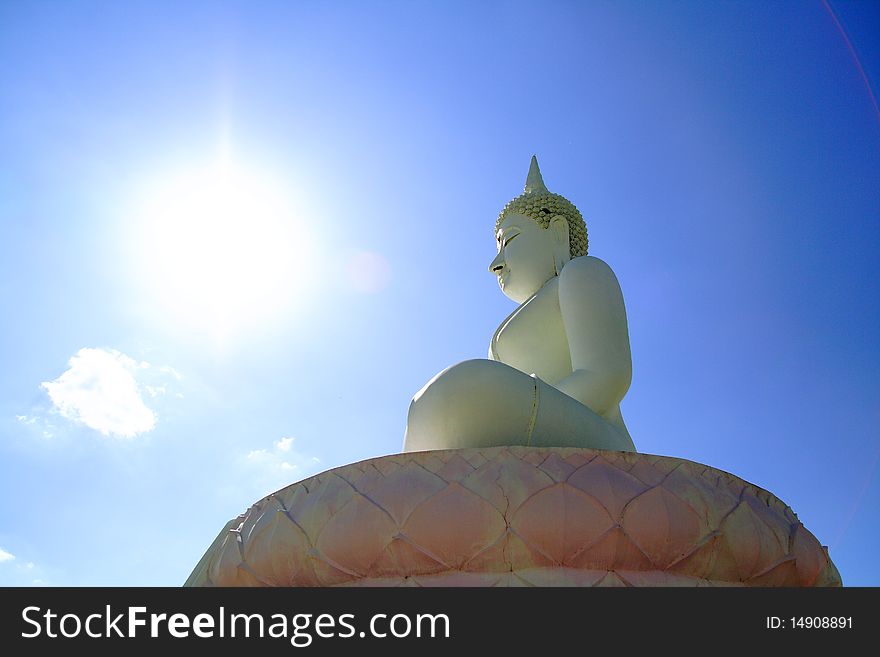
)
(536, 233)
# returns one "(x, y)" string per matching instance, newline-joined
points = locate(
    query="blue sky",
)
(238, 237)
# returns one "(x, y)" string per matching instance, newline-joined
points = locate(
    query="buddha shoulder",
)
(587, 274)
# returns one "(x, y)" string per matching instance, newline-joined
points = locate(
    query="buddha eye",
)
(509, 239)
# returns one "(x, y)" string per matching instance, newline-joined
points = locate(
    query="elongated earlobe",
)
(562, 250)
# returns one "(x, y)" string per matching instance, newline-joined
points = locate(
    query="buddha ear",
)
(559, 226)
(562, 252)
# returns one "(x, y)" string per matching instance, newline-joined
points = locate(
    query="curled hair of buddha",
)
(541, 205)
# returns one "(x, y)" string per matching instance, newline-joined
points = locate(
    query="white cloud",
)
(100, 390)
(166, 369)
(280, 466)
(37, 424)
(15, 572)
(155, 391)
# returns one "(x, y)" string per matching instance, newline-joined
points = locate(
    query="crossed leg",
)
(484, 403)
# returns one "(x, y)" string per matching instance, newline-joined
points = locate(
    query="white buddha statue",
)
(559, 365)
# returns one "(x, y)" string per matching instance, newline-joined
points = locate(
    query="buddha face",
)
(528, 255)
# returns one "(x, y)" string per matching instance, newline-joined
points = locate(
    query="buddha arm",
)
(594, 316)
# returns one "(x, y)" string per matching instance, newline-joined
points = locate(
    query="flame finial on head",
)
(534, 181)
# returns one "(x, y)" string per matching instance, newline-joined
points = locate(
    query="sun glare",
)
(222, 248)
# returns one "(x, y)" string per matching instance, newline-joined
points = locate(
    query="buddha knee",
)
(458, 387)
(476, 403)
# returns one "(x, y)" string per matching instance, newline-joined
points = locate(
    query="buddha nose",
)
(497, 264)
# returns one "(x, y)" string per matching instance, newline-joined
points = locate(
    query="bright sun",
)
(222, 247)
